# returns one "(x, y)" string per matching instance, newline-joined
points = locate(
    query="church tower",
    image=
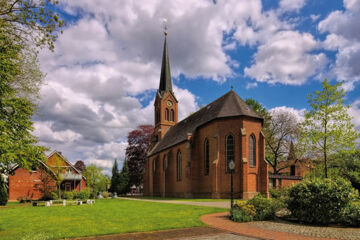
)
(166, 104)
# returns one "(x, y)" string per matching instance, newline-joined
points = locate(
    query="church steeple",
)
(165, 76)
(166, 105)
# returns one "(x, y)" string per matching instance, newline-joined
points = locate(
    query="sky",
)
(102, 77)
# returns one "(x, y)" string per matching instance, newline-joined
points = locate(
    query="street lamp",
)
(231, 167)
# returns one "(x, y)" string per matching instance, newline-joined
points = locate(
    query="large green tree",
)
(95, 179)
(115, 178)
(327, 128)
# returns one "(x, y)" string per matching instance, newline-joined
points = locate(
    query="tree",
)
(115, 178)
(124, 179)
(327, 128)
(139, 141)
(31, 21)
(280, 131)
(45, 186)
(3, 192)
(80, 165)
(17, 144)
(280, 137)
(95, 179)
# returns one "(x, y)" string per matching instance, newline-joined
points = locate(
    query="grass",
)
(108, 216)
(181, 199)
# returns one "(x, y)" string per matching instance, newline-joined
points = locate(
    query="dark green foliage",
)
(278, 193)
(83, 194)
(54, 195)
(115, 179)
(351, 214)
(319, 201)
(124, 179)
(3, 192)
(265, 207)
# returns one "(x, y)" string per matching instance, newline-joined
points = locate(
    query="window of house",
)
(167, 114)
(206, 157)
(172, 115)
(178, 166)
(229, 151)
(292, 170)
(252, 150)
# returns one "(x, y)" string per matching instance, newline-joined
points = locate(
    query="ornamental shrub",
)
(68, 195)
(351, 214)
(84, 194)
(105, 194)
(319, 201)
(265, 207)
(3, 192)
(242, 212)
(278, 193)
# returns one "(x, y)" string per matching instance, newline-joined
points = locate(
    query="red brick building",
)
(190, 158)
(31, 184)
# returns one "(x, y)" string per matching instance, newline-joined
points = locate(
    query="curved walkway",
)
(253, 229)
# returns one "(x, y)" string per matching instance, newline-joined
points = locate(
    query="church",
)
(190, 158)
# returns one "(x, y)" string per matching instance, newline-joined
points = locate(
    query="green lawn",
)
(181, 199)
(108, 216)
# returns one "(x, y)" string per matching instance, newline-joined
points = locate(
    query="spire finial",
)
(165, 26)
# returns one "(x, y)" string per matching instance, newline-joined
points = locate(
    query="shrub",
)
(351, 214)
(278, 193)
(319, 201)
(24, 199)
(242, 212)
(105, 194)
(68, 195)
(3, 192)
(54, 196)
(83, 194)
(265, 207)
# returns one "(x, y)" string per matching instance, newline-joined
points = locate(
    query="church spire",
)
(165, 76)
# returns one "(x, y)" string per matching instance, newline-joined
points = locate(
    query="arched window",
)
(164, 163)
(252, 151)
(206, 157)
(167, 114)
(178, 166)
(229, 151)
(172, 115)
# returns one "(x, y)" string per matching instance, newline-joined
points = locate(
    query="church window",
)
(178, 166)
(172, 115)
(206, 157)
(229, 151)
(252, 150)
(167, 114)
(164, 163)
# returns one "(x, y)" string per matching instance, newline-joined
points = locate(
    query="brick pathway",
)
(221, 221)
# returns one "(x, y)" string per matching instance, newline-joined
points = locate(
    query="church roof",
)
(165, 76)
(228, 105)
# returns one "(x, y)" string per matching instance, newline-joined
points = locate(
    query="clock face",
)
(169, 103)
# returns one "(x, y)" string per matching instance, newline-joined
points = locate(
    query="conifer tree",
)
(125, 179)
(115, 179)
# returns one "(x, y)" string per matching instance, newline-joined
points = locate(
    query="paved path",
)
(221, 221)
(222, 204)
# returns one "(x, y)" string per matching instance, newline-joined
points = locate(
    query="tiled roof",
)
(228, 105)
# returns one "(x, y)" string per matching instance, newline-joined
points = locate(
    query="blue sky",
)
(103, 75)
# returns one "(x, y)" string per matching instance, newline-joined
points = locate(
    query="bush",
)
(242, 212)
(68, 195)
(265, 207)
(278, 193)
(105, 194)
(351, 214)
(24, 199)
(54, 196)
(3, 192)
(319, 201)
(83, 194)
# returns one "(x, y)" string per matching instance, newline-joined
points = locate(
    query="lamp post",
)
(231, 167)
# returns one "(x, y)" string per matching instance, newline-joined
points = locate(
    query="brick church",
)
(190, 158)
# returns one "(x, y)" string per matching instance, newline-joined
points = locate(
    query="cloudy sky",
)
(102, 77)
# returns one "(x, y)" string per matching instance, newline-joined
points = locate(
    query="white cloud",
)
(354, 112)
(344, 37)
(286, 58)
(291, 5)
(251, 85)
(297, 113)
